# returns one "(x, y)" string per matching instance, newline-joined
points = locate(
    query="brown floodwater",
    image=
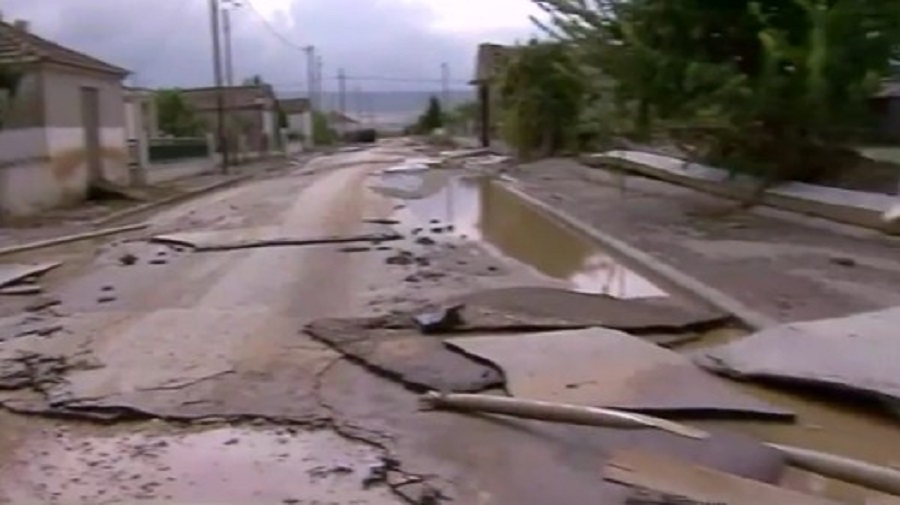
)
(483, 211)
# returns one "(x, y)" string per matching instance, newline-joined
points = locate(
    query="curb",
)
(70, 238)
(751, 318)
(169, 200)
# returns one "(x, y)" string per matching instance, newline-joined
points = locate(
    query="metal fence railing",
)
(163, 150)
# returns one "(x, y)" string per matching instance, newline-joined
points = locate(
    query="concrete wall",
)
(300, 123)
(248, 123)
(165, 172)
(62, 89)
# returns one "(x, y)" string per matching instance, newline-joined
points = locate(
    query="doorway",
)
(90, 121)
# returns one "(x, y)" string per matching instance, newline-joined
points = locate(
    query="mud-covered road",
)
(258, 345)
(208, 347)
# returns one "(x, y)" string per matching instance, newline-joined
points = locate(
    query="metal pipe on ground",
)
(555, 412)
(879, 478)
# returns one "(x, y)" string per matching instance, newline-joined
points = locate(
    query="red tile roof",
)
(21, 46)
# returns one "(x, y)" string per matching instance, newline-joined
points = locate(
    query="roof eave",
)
(119, 72)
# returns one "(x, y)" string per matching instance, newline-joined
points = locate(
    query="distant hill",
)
(388, 108)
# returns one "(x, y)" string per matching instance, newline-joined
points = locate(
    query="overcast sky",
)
(167, 42)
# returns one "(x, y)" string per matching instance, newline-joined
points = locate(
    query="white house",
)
(299, 117)
(63, 128)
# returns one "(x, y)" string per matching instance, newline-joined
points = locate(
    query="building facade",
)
(250, 112)
(63, 126)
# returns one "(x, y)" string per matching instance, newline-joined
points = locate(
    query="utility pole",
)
(445, 87)
(319, 95)
(342, 98)
(311, 76)
(217, 74)
(226, 30)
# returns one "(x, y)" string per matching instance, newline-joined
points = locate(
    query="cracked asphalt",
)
(150, 371)
(196, 368)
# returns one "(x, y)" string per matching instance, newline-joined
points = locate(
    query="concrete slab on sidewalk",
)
(869, 210)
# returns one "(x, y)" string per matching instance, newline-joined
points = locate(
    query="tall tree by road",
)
(767, 86)
(541, 94)
(175, 117)
(432, 118)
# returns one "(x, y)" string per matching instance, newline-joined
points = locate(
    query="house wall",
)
(22, 138)
(23, 149)
(300, 122)
(249, 123)
(65, 130)
(42, 151)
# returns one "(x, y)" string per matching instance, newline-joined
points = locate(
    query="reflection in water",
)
(485, 211)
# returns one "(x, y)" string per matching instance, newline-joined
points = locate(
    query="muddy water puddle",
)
(481, 210)
(221, 465)
(824, 423)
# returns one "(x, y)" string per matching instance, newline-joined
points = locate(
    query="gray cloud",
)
(166, 43)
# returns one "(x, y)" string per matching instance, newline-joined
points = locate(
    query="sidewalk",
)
(846, 206)
(786, 266)
(81, 219)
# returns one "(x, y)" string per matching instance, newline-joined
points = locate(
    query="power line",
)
(152, 57)
(272, 29)
(436, 80)
(384, 79)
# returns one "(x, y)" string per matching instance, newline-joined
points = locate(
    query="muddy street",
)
(269, 342)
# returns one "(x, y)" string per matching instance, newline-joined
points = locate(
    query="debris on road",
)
(393, 348)
(662, 473)
(855, 354)
(128, 259)
(42, 302)
(354, 249)
(444, 320)
(223, 240)
(383, 221)
(607, 368)
(856, 472)
(556, 412)
(21, 290)
(12, 274)
(538, 308)
(24, 324)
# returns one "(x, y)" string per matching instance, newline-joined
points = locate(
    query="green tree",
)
(323, 134)
(432, 118)
(767, 86)
(175, 116)
(463, 116)
(254, 80)
(541, 92)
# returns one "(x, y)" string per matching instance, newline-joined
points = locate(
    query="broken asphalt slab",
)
(171, 363)
(26, 323)
(224, 240)
(468, 457)
(13, 273)
(599, 367)
(855, 354)
(539, 308)
(391, 347)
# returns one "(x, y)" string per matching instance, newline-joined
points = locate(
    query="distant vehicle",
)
(365, 136)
